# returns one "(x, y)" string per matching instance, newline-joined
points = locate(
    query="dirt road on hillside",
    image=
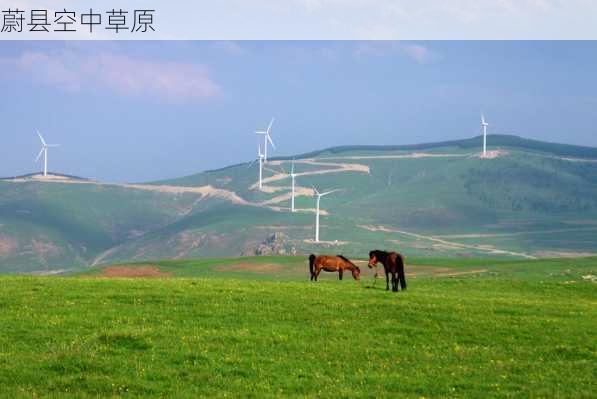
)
(449, 244)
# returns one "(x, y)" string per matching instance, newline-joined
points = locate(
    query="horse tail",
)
(400, 263)
(312, 264)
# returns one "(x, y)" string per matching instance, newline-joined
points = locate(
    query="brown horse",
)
(393, 263)
(332, 264)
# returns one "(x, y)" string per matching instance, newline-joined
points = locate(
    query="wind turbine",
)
(267, 137)
(260, 160)
(44, 150)
(292, 176)
(484, 127)
(319, 195)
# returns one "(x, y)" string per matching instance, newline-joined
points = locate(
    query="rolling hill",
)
(526, 199)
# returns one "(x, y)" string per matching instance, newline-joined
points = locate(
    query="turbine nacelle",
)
(44, 150)
(319, 195)
(267, 138)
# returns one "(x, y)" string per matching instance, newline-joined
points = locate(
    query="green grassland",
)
(295, 268)
(517, 329)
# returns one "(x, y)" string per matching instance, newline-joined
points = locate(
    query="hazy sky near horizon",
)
(139, 111)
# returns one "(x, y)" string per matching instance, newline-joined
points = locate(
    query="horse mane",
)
(379, 253)
(344, 258)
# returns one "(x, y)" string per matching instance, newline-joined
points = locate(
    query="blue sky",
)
(138, 111)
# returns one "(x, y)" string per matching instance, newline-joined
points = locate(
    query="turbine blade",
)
(39, 155)
(270, 141)
(317, 192)
(269, 128)
(329, 192)
(41, 138)
(52, 145)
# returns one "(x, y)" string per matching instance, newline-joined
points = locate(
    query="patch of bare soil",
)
(579, 160)
(45, 249)
(455, 273)
(520, 233)
(7, 245)
(414, 155)
(325, 243)
(454, 245)
(414, 271)
(145, 271)
(298, 191)
(205, 191)
(493, 154)
(49, 177)
(186, 241)
(330, 168)
(250, 267)
(582, 222)
(48, 272)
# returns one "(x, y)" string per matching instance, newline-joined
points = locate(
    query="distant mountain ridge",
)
(52, 174)
(499, 140)
(532, 199)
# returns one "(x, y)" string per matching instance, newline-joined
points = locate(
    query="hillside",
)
(528, 199)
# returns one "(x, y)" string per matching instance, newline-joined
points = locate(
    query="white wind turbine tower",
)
(484, 127)
(260, 160)
(267, 137)
(44, 150)
(293, 177)
(319, 195)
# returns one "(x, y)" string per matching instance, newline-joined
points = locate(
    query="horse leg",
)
(387, 281)
(340, 273)
(401, 275)
(395, 282)
(317, 273)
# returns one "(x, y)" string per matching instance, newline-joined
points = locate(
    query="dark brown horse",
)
(393, 263)
(332, 264)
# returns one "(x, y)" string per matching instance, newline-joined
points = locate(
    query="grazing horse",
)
(393, 263)
(332, 264)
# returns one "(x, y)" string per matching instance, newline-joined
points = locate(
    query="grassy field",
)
(518, 328)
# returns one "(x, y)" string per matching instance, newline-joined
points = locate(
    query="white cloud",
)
(230, 47)
(72, 71)
(416, 52)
